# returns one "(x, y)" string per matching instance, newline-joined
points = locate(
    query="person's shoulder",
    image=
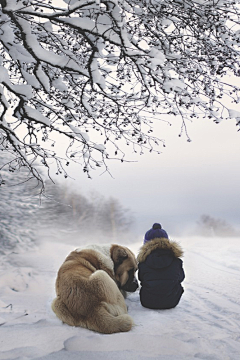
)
(159, 244)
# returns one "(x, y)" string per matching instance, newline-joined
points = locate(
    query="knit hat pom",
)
(155, 232)
(156, 226)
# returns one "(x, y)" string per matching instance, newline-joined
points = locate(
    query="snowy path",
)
(205, 325)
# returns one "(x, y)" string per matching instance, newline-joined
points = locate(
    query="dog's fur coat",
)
(89, 288)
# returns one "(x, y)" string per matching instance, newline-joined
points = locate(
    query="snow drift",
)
(205, 324)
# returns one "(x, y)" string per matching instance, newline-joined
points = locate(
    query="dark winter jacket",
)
(160, 274)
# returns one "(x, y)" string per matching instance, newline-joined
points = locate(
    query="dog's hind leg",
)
(62, 312)
(111, 314)
(107, 290)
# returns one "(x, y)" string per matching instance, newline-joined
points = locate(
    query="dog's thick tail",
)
(106, 318)
(103, 321)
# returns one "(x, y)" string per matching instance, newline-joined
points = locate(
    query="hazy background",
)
(187, 180)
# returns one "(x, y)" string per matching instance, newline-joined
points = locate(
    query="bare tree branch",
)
(107, 69)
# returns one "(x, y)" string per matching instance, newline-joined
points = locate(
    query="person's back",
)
(160, 270)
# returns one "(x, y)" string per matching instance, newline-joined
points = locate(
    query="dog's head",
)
(125, 266)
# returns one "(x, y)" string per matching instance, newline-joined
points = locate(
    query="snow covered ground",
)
(205, 324)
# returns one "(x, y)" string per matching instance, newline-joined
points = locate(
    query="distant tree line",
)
(23, 213)
(211, 226)
(90, 215)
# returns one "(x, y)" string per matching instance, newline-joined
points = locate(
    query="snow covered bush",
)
(17, 209)
(104, 69)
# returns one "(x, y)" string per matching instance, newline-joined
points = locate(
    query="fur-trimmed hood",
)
(159, 243)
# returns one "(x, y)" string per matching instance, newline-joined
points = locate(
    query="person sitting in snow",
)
(160, 270)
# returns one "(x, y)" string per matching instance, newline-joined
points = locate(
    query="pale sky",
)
(175, 188)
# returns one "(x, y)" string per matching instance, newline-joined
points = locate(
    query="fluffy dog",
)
(90, 288)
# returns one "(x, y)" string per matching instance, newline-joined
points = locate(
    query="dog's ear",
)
(119, 254)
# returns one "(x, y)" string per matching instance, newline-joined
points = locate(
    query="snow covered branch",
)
(85, 69)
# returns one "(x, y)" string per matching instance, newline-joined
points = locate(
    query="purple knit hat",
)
(155, 232)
